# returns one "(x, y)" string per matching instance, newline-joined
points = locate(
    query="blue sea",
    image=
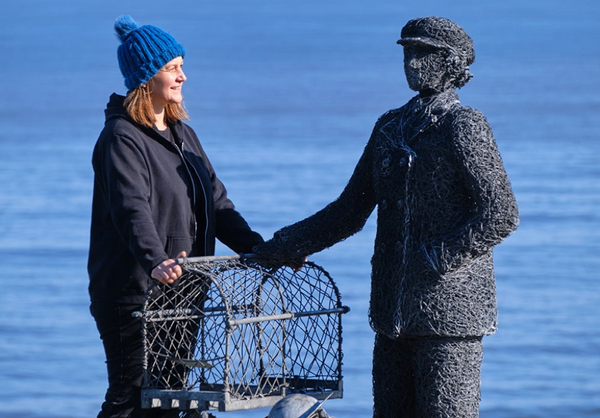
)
(283, 95)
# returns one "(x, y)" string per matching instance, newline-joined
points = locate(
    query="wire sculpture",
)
(232, 334)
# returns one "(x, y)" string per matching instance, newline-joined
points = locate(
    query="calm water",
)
(284, 95)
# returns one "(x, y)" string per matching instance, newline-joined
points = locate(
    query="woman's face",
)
(165, 86)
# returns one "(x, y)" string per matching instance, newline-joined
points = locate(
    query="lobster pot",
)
(233, 335)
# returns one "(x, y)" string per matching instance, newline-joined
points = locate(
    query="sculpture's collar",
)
(434, 104)
(419, 114)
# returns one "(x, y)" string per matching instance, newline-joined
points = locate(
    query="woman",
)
(156, 198)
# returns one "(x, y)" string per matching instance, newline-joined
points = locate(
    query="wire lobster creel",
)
(232, 335)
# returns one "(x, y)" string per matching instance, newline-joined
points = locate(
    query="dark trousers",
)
(121, 336)
(426, 377)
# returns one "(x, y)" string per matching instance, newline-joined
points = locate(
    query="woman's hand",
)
(297, 265)
(168, 271)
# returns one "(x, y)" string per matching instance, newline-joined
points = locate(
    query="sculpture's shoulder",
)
(397, 112)
(465, 117)
(388, 116)
(471, 131)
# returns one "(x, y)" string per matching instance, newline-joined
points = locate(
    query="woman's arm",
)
(122, 174)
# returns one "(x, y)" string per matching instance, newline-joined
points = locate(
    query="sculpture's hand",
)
(273, 254)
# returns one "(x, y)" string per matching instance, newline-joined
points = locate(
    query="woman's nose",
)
(181, 76)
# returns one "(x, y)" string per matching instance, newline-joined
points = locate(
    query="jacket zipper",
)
(188, 164)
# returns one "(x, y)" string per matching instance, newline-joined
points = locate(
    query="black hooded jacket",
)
(153, 199)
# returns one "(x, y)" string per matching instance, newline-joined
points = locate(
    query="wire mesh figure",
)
(443, 201)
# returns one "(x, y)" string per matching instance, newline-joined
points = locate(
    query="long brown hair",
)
(138, 104)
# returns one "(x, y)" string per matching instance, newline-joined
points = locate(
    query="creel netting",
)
(233, 331)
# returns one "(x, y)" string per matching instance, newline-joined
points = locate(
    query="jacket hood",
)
(115, 108)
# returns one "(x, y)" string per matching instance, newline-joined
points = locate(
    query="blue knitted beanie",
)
(143, 51)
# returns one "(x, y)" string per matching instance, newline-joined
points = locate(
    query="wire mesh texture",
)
(231, 334)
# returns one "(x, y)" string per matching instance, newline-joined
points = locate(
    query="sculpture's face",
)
(426, 68)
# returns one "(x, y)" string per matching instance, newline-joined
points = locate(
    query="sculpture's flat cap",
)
(438, 32)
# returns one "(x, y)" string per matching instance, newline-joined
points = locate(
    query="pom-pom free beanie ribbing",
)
(143, 51)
